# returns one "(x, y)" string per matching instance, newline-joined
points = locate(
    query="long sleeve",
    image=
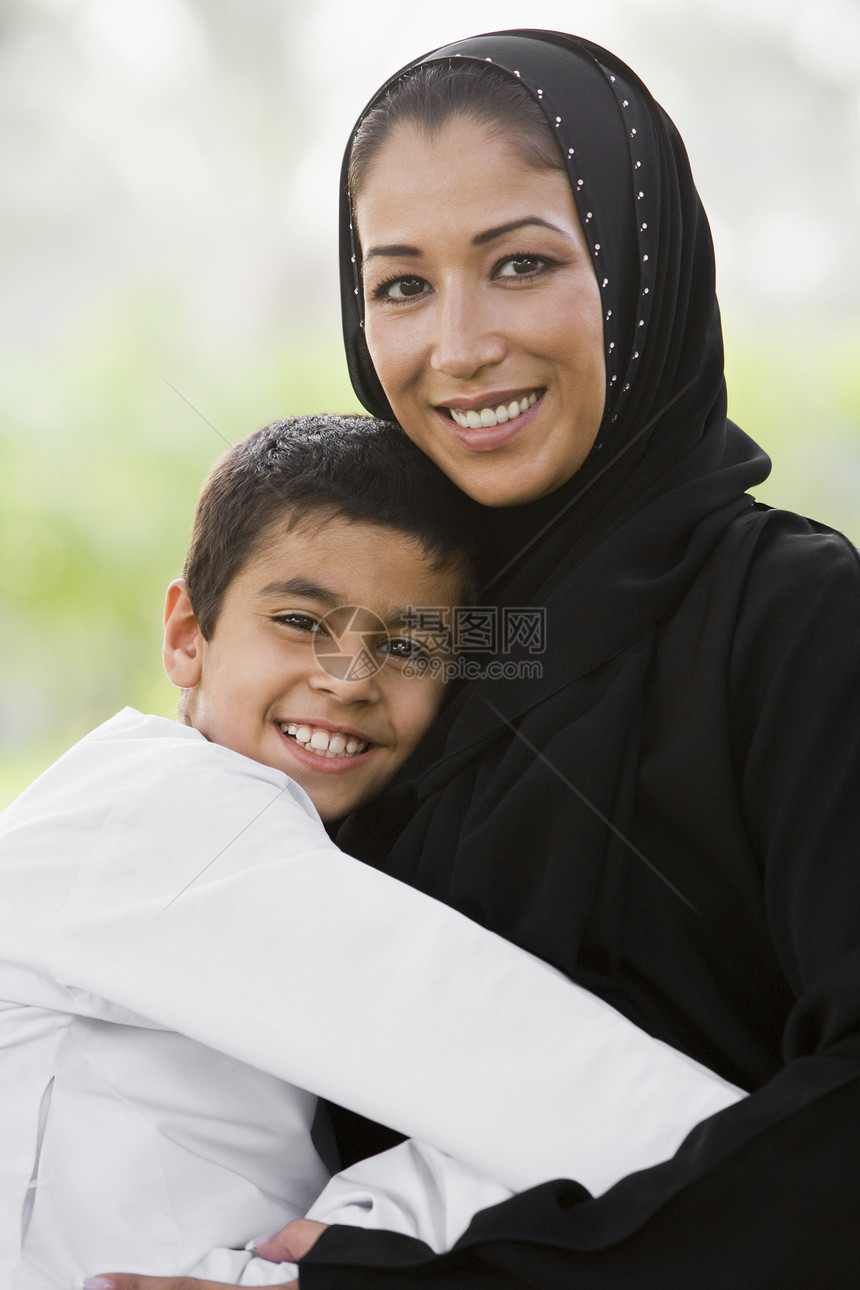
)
(766, 1194)
(412, 1189)
(242, 1268)
(214, 904)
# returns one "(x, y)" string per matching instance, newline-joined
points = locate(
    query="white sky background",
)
(195, 144)
(727, 71)
(168, 185)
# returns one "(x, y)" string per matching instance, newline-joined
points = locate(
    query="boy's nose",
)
(347, 655)
(355, 686)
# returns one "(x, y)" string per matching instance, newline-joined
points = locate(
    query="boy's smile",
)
(306, 669)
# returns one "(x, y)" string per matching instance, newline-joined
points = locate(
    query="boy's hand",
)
(287, 1246)
(292, 1242)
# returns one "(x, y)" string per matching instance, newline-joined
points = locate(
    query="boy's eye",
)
(299, 622)
(406, 649)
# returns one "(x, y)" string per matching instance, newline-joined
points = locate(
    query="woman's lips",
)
(493, 415)
(493, 430)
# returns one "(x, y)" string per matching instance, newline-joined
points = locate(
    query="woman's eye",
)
(521, 266)
(400, 289)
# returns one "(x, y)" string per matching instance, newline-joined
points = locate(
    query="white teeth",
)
(323, 742)
(487, 417)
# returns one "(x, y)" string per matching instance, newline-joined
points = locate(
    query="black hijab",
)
(663, 813)
(541, 764)
(666, 457)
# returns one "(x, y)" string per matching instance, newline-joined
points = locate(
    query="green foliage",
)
(798, 394)
(103, 445)
(101, 457)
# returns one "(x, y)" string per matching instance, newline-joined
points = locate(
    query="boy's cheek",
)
(423, 698)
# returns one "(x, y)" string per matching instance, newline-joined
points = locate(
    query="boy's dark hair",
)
(318, 468)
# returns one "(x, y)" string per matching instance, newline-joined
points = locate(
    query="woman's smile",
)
(489, 423)
(483, 313)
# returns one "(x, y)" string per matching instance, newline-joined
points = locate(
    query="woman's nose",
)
(467, 336)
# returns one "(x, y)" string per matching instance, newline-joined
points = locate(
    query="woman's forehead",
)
(443, 143)
(421, 174)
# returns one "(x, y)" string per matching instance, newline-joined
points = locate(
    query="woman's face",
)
(482, 311)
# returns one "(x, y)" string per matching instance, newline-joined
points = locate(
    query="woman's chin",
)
(501, 494)
(497, 470)
(498, 483)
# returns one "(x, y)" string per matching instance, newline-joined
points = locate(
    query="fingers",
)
(134, 1281)
(292, 1242)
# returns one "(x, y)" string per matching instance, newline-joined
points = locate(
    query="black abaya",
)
(670, 815)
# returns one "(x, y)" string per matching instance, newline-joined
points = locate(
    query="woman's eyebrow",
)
(490, 234)
(480, 239)
(395, 251)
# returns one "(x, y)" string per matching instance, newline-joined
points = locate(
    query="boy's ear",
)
(183, 641)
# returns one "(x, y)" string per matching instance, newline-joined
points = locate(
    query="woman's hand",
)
(287, 1246)
(134, 1281)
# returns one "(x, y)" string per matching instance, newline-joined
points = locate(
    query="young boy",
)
(184, 951)
(126, 1141)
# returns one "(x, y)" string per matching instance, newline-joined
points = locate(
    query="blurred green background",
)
(167, 255)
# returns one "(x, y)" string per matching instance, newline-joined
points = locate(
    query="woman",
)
(668, 814)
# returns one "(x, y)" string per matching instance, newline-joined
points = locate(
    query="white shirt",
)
(183, 950)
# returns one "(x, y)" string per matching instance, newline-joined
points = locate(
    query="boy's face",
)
(337, 700)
